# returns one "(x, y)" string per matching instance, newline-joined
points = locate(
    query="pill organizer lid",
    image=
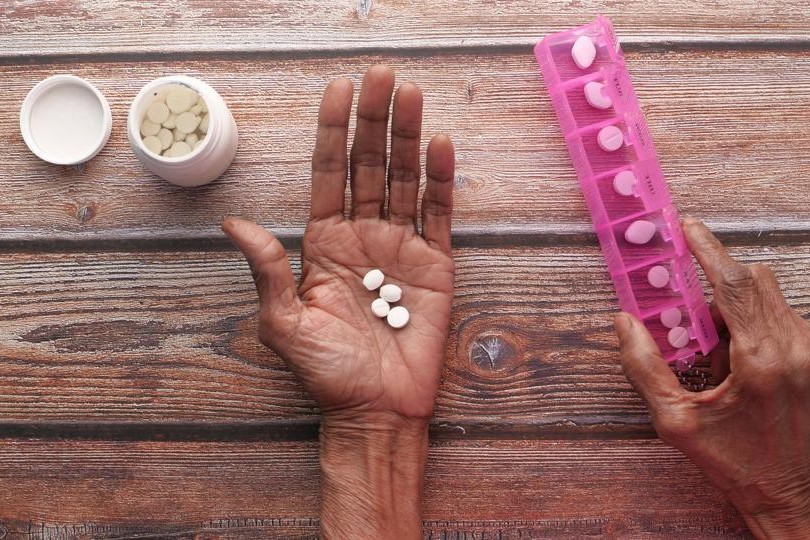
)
(65, 120)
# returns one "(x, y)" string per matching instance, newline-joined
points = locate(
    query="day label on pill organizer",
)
(620, 173)
(175, 123)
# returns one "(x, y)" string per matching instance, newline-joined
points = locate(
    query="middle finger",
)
(368, 154)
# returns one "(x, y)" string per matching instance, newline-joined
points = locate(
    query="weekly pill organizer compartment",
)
(626, 193)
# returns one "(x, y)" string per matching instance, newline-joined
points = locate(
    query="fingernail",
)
(623, 324)
(225, 225)
(689, 221)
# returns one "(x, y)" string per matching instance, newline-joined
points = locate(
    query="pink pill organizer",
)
(620, 175)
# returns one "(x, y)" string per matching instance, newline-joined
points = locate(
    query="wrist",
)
(372, 467)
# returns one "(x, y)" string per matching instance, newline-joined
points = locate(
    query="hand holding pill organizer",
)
(620, 175)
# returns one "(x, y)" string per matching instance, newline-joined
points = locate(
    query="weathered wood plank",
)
(736, 151)
(102, 489)
(157, 339)
(57, 27)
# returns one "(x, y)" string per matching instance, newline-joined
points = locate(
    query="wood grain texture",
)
(57, 27)
(157, 340)
(247, 490)
(736, 149)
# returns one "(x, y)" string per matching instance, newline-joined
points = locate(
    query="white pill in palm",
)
(678, 337)
(624, 183)
(595, 95)
(640, 232)
(373, 279)
(158, 112)
(658, 277)
(390, 293)
(583, 52)
(180, 99)
(398, 317)
(187, 122)
(672, 317)
(610, 138)
(380, 307)
(152, 143)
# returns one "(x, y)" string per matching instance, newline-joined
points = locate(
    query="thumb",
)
(643, 365)
(268, 262)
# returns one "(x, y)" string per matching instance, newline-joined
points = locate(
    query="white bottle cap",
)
(65, 120)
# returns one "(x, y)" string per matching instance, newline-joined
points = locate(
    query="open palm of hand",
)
(350, 360)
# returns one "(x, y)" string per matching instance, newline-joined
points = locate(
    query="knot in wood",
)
(491, 352)
(86, 213)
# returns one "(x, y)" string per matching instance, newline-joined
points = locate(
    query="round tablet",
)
(398, 317)
(624, 183)
(658, 277)
(178, 149)
(595, 95)
(187, 122)
(380, 307)
(390, 293)
(373, 279)
(149, 128)
(671, 317)
(610, 138)
(583, 52)
(640, 232)
(153, 144)
(678, 337)
(157, 112)
(180, 99)
(166, 138)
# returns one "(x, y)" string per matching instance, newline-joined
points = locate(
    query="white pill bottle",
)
(210, 159)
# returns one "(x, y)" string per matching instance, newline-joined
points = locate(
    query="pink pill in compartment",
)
(624, 183)
(658, 277)
(583, 52)
(610, 138)
(640, 232)
(595, 95)
(678, 337)
(671, 318)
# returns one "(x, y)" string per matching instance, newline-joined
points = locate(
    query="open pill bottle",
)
(182, 162)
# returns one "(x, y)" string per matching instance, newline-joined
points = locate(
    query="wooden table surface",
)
(135, 399)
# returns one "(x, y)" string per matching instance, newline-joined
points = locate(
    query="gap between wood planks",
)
(182, 239)
(307, 430)
(628, 46)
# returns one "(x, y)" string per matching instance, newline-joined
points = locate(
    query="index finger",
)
(735, 287)
(330, 163)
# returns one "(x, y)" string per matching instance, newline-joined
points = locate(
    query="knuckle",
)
(407, 132)
(405, 175)
(370, 159)
(676, 426)
(762, 272)
(326, 162)
(436, 207)
(736, 277)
